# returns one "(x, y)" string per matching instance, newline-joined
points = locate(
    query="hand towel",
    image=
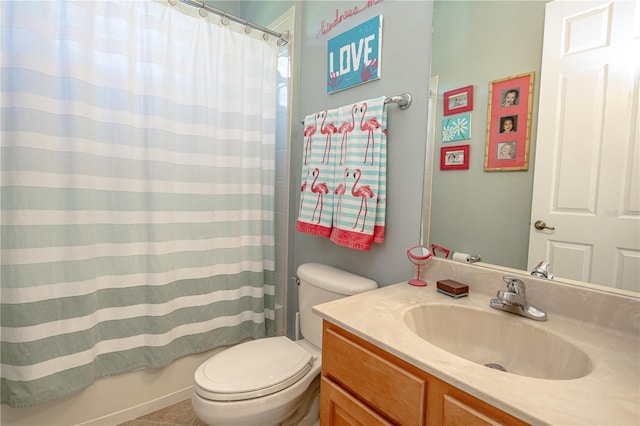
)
(318, 174)
(360, 175)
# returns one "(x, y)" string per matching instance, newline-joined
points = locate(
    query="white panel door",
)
(587, 181)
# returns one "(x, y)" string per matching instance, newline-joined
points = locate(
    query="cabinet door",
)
(369, 373)
(457, 413)
(461, 409)
(338, 408)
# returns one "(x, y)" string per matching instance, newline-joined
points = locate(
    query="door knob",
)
(540, 225)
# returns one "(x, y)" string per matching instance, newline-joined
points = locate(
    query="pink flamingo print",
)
(328, 130)
(370, 125)
(302, 189)
(364, 192)
(340, 191)
(346, 128)
(319, 189)
(308, 133)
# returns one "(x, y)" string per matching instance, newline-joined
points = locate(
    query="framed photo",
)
(459, 100)
(454, 157)
(509, 123)
(456, 128)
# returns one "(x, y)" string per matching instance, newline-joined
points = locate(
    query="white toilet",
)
(270, 381)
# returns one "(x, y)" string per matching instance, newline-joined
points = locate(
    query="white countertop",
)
(609, 395)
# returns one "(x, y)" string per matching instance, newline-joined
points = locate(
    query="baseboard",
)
(141, 409)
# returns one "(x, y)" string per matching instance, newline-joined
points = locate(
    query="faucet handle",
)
(515, 285)
(542, 270)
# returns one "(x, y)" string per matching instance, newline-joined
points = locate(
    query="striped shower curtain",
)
(138, 171)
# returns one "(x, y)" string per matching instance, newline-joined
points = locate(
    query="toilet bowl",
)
(264, 387)
(265, 381)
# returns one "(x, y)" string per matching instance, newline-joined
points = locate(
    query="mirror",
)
(478, 212)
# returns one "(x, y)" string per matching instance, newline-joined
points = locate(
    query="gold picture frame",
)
(509, 123)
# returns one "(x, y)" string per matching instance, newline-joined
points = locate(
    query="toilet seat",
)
(252, 369)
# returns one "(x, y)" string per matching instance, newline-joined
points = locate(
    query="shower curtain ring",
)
(203, 12)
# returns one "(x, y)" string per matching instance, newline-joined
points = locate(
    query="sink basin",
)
(499, 340)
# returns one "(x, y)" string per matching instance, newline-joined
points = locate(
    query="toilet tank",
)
(322, 283)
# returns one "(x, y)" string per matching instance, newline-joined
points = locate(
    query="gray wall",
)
(475, 42)
(406, 58)
(261, 12)
(232, 7)
(264, 12)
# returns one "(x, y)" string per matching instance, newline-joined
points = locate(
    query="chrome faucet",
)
(542, 270)
(514, 300)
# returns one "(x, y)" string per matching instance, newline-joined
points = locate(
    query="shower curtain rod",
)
(283, 38)
(403, 101)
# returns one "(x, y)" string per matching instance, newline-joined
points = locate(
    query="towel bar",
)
(404, 101)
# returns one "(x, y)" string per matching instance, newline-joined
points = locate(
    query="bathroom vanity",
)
(354, 370)
(412, 356)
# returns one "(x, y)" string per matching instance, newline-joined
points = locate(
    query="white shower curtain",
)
(138, 169)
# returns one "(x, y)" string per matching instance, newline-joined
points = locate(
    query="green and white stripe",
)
(138, 175)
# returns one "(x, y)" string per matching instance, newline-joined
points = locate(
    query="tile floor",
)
(180, 414)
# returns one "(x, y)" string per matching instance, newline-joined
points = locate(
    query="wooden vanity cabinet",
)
(363, 384)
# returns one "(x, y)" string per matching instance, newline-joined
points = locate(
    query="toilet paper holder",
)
(466, 257)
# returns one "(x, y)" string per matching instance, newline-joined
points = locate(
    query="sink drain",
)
(495, 366)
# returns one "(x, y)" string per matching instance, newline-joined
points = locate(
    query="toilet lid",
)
(252, 369)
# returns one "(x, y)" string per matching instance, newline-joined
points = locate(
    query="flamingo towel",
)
(344, 174)
(318, 174)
